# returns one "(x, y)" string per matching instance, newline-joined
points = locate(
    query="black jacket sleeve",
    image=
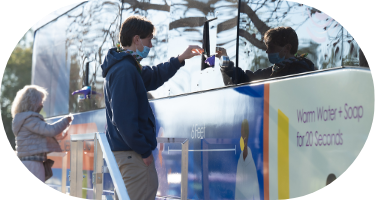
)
(242, 76)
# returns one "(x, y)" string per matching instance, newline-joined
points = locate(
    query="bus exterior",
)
(278, 138)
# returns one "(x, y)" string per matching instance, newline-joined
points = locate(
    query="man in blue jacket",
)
(130, 120)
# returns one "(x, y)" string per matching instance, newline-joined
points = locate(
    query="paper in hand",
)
(210, 61)
(70, 123)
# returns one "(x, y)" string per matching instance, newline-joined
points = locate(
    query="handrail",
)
(113, 168)
(103, 150)
(79, 137)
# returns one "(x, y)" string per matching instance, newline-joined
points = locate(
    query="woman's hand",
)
(70, 118)
(191, 51)
(61, 136)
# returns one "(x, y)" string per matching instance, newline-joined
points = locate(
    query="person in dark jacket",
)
(282, 46)
(130, 121)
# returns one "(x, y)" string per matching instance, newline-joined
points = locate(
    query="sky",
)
(21, 16)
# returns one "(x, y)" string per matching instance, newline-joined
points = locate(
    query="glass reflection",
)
(327, 43)
(89, 30)
(50, 66)
(92, 30)
(179, 23)
(63, 48)
(157, 11)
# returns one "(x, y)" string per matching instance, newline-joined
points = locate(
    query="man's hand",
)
(148, 160)
(220, 52)
(191, 51)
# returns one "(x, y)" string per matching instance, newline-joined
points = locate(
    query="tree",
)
(17, 74)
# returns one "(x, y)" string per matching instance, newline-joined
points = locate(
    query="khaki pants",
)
(141, 181)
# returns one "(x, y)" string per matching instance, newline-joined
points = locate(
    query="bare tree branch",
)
(147, 6)
(201, 6)
(252, 39)
(264, 2)
(259, 24)
(226, 25)
(187, 22)
(107, 31)
(274, 12)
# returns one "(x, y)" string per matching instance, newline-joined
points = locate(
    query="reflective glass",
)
(326, 41)
(81, 38)
(179, 23)
(88, 31)
(66, 47)
(92, 30)
(50, 68)
(157, 12)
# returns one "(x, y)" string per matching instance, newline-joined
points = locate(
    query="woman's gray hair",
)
(28, 99)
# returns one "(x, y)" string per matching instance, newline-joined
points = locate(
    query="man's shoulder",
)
(304, 63)
(126, 65)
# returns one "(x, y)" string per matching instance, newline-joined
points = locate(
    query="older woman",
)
(34, 137)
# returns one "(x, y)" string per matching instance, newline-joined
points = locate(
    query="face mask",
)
(39, 109)
(145, 51)
(274, 58)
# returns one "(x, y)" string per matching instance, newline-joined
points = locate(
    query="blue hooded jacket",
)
(130, 120)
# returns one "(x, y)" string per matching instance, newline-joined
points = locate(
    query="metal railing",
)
(102, 151)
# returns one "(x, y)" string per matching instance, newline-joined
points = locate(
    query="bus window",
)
(179, 24)
(65, 47)
(187, 27)
(157, 12)
(327, 43)
(92, 30)
(50, 68)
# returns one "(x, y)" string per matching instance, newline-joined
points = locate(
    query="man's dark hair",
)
(281, 36)
(135, 25)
